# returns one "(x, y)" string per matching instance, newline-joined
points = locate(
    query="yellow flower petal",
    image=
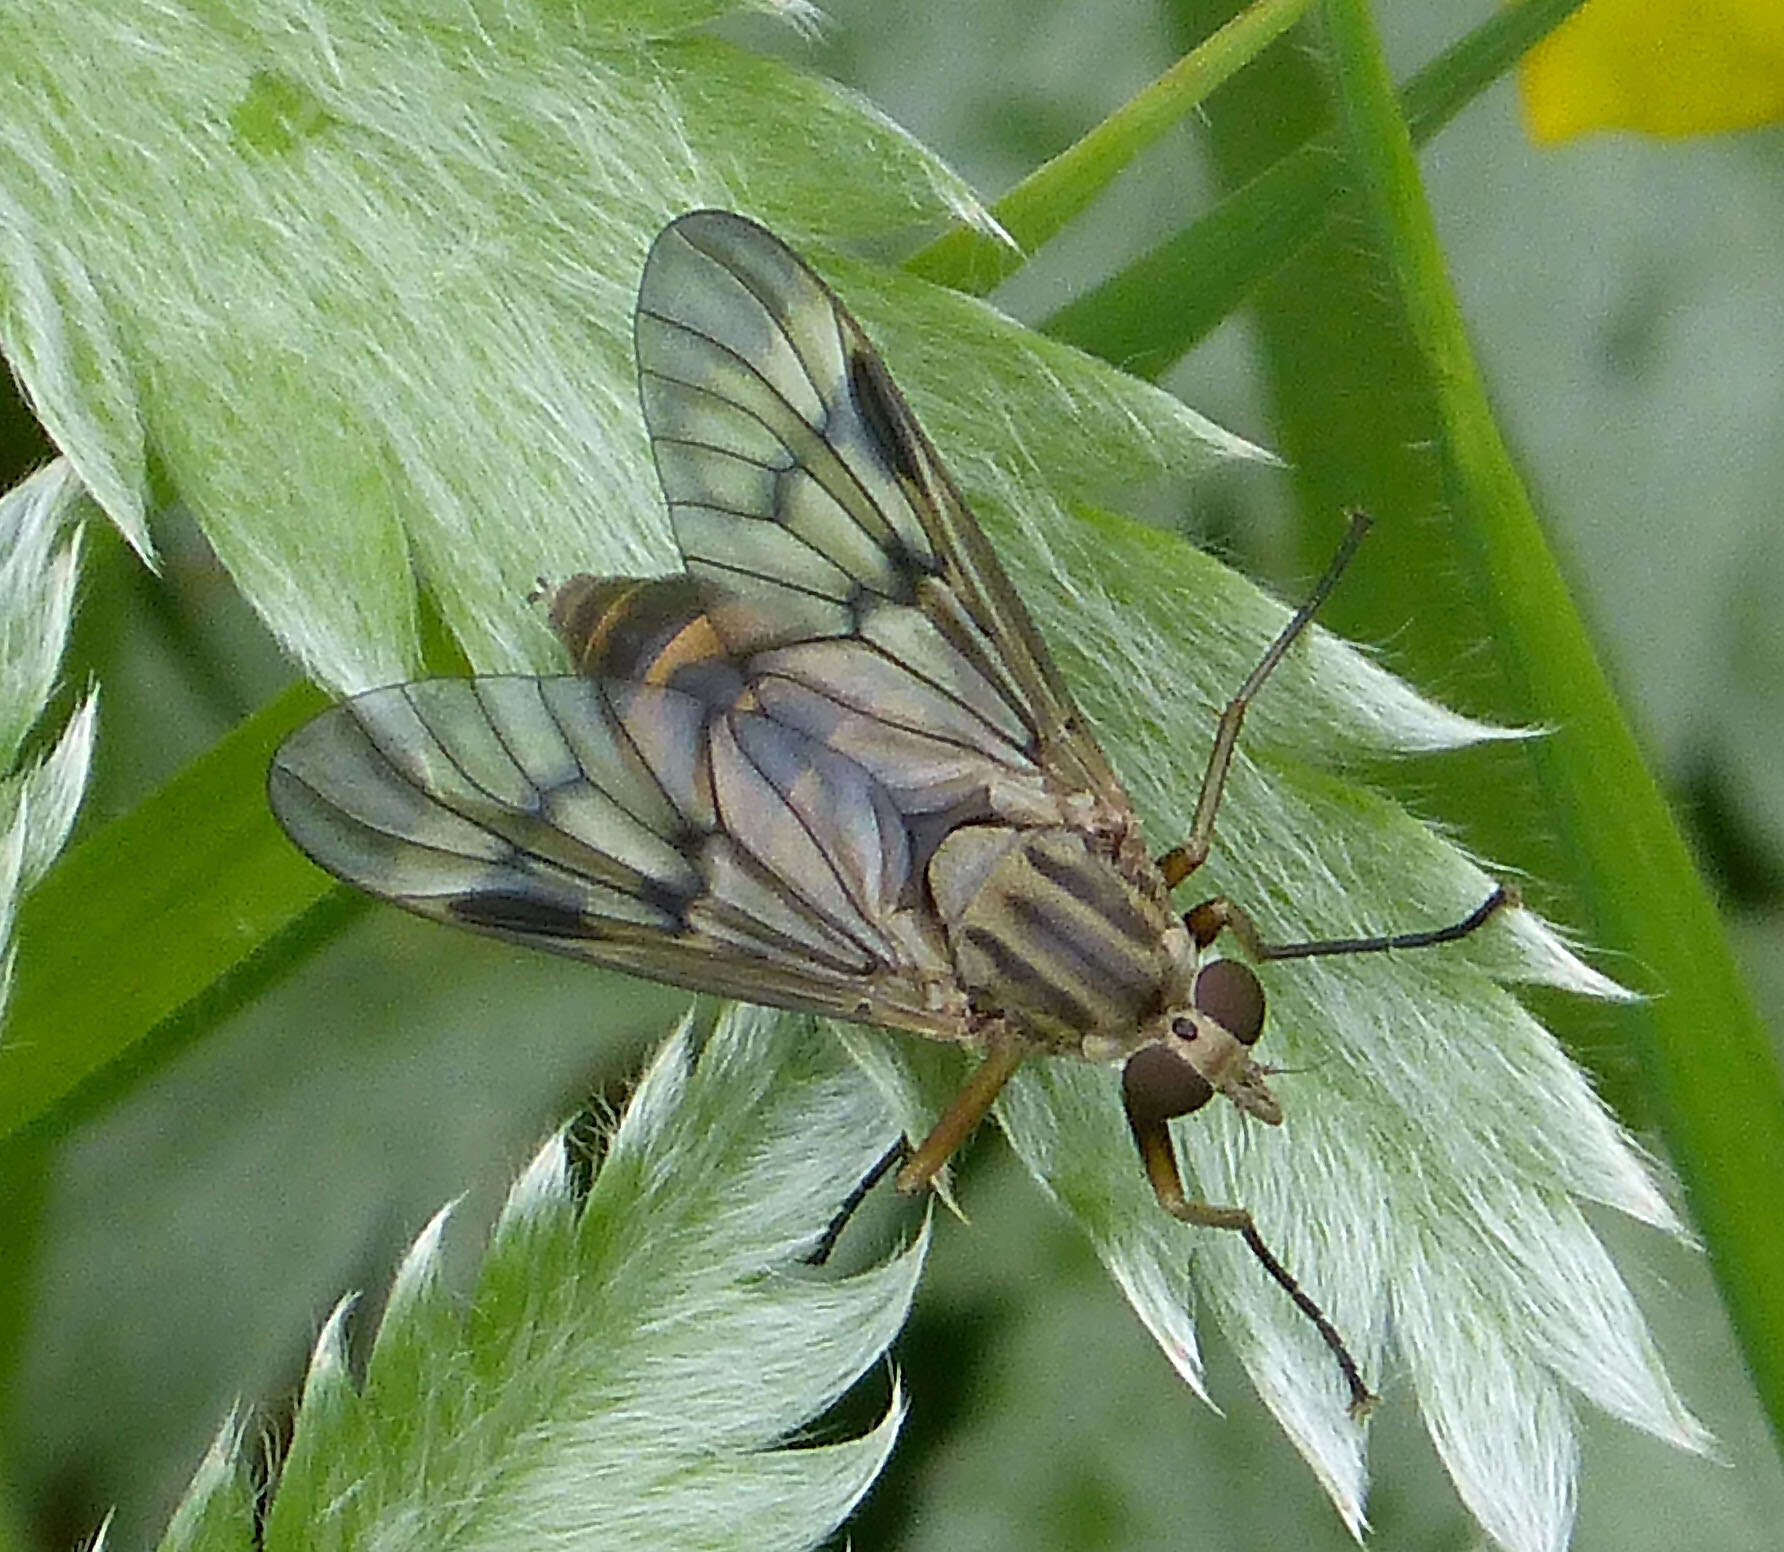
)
(1667, 67)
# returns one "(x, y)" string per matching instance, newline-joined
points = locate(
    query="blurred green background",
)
(1628, 308)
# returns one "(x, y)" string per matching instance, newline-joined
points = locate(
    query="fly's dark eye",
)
(1232, 996)
(1157, 1084)
(1183, 1027)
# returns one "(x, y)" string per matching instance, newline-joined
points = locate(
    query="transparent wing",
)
(831, 545)
(741, 789)
(937, 755)
(629, 824)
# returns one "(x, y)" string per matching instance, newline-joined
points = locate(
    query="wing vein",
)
(451, 758)
(613, 719)
(495, 727)
(765, 576)
(866, 708)
(622, 731)
(713, 447)
(823, 851)
(517, 850)
(817, 468)
(947, 695)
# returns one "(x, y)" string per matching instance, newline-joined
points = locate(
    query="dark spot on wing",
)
(661, 897)
(877, 401)
(521, 913)
(911, 563)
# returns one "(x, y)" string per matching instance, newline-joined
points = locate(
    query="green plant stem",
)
(1633, 866)
(1147, 315)
(1062, 188)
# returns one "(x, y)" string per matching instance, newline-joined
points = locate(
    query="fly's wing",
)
(832, 549)
(740, 790)
(632, 824)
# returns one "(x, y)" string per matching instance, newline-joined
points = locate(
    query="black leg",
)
(1159, 1155)
(1180, 861)
(1207, 920)
(851, 1203)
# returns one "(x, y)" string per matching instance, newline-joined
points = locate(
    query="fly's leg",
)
(1152, 1133)
(1180, 861)
(851, 1204)
(1211, 917)
(967, 1109)
(1207, 920)
(920, 1165)
(1159, 1086)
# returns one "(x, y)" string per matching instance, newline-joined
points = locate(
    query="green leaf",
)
(286, 221)
(38, 799)
(631, 1369)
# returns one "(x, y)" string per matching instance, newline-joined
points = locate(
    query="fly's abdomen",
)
(1048, 933)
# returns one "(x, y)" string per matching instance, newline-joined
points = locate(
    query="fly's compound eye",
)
(1232, 996)
(1158, 1084)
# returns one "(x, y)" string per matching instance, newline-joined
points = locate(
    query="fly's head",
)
(1202, 1046)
